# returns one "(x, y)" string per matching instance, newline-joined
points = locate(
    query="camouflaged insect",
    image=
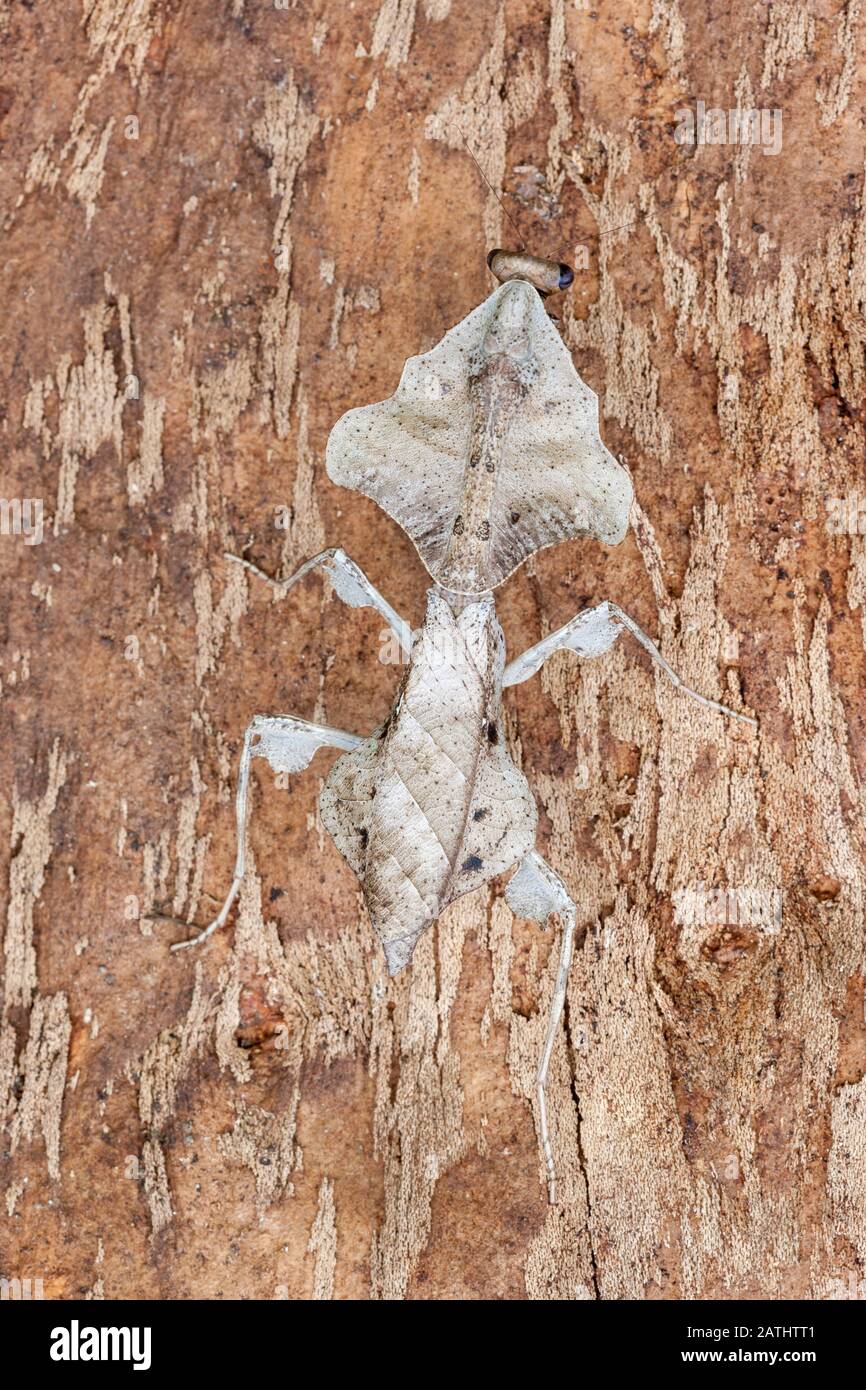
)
(487, 452)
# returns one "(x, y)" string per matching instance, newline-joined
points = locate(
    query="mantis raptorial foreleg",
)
(535, 891)
(350, 584)
(591, 633)
(289, 746)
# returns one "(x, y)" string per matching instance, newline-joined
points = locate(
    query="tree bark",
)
(225, 225)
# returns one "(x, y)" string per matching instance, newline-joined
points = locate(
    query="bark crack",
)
(581, 1156)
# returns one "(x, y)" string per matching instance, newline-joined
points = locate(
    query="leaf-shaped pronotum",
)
(489, 448)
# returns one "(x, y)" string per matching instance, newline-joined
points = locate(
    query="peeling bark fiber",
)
(225, 225)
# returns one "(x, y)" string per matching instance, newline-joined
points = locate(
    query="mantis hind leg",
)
(289, 745)
(535, 891)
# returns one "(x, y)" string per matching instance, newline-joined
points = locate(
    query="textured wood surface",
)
(225, 224)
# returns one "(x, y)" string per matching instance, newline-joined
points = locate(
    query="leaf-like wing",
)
(433, 806)
(489, 449)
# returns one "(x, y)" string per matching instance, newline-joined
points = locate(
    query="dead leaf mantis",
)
(488, 451)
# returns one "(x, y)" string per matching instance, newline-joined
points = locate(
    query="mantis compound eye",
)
(548, 277)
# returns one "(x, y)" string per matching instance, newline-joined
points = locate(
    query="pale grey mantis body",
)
(487, 452)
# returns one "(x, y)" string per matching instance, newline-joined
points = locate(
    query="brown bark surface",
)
(225, 224)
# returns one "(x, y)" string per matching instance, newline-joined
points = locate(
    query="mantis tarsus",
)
(488, 451)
